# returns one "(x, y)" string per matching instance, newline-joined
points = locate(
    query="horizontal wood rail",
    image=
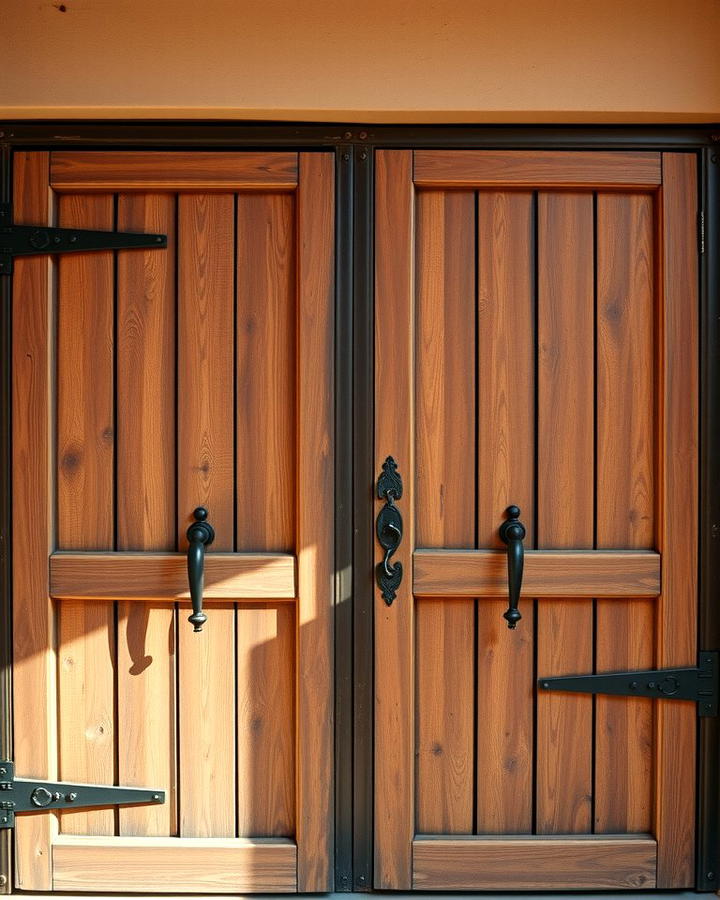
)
(531, 863)
(531, 168)
(163, 576)
(181, 865)
(108, 170)
(548, 573)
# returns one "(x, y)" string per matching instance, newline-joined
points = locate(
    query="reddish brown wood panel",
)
(315, 520)
(536, 168)
(565, 501)
(506, 463)
(445, 505)
(625, 499)
(34, 659)
(266, 364)
(394, 434)
(144, 170)
(677, 534)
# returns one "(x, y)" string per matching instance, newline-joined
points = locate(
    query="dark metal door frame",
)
(354, 145)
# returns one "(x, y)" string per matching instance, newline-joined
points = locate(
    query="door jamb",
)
(354, 146)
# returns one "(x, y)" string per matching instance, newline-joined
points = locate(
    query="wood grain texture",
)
(146, 496)
(677, 535)
(133, 865)
(394, 434)
(506, 463)
(85, 404)
(143, 170)
(506, 362)
(266, 720)
(206, 353)
(265, 383)
(85, 506)
(34, 661)
(146, 378)
(535, 168)
(315, 520)
(86, 690)
(625, 500)
(445, 505)
(565, 488)
(206, 363)
(206, 726)
(534, 863)
(547, 573)
(163, 576)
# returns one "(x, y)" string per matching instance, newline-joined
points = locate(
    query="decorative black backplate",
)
(389, 529)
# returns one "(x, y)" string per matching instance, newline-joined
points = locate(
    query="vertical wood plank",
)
(625, 500)
(266, 720)
(565, 501)
(315, 520)
(506, 467)
(146, 507)
(34, 664)
(85, 429)
(266, 364)
(206, 730)
(394, 435)
(445, 507)
(677, 532)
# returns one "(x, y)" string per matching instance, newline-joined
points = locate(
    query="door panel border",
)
(354, 145)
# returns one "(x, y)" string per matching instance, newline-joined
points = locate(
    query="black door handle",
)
(199, 535)
(389, 530)
(512, 532)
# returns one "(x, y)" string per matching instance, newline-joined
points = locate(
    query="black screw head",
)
(200, 514)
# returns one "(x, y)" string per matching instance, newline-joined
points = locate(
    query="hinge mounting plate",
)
(20, 795)
(32, 240)
(699, 684)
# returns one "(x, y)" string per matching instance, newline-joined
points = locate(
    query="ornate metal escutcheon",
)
(389, 527)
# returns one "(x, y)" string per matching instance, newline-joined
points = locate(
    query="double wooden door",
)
(536, 335)
(148, 383)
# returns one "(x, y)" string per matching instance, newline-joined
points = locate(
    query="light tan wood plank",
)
(163, 576)
(564, 631)
(144, 170)
(506, 461)
(535, 168)
(266, 364)
(85, 428)
(34, 662)
(87, 707)
(206, 363)
(625, 500)
(266, 720)
(146, 498)
(534, 863)
(85, 405)
(146, 378)
(147, 714)
(445, 505)
(547, 573)
(677, 537)
(206, 727)
(315, 521)
(206, 670)
(133, 865)
(394, 435)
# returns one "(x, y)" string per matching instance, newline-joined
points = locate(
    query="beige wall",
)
(364, 60)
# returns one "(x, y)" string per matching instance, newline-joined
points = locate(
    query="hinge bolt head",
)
(71, 797)
(156, 796)
(3, 880)
(710, 876)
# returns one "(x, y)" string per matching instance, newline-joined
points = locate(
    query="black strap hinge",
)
(20, 795)
(699, 684)
(31, 240)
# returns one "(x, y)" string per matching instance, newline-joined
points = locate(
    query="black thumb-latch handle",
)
(512, 532)
(199, 535)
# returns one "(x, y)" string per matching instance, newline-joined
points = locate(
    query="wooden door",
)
(536, 344)
(147, 383)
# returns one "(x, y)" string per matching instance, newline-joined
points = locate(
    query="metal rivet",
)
(346, 157)
(156, 796)
(362, 135)
(3, 880)
(347, 135)
(363, 155)
(546, 684)
(3, 771)
(634, 685)
(72, 796)
(710, 876)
